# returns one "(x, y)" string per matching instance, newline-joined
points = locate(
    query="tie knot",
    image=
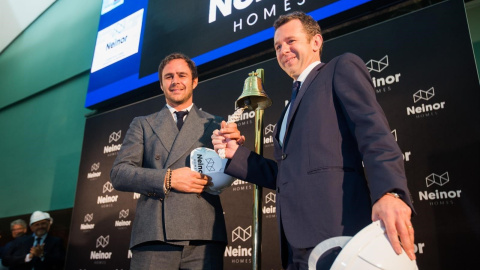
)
(181, 114)
(296, 85)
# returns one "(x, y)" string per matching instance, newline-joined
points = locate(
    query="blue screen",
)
(134, 36)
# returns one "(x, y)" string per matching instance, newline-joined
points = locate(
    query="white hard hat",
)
(208, 162)
(369, 249)
(39, 215)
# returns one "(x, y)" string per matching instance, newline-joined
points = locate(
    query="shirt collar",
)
(41, 237)
(306, 71)
(172, 110)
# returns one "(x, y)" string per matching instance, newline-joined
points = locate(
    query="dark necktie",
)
(295, 88)
(180, 116)
(38, 239)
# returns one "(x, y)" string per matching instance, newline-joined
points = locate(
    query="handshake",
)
(227, 139)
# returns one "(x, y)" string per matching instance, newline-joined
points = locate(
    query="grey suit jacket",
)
(151, 146)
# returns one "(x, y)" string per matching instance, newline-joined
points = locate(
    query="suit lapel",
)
(191, 131)
(301, 92)
(164, 127)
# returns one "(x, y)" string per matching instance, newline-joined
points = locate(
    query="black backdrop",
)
(426, 81)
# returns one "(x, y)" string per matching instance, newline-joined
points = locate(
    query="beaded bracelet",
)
(169, 181)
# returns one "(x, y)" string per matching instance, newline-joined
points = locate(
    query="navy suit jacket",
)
(322, 189)
(53, 250)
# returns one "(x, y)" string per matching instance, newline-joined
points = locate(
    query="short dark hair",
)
(173, 56)
(310, 26)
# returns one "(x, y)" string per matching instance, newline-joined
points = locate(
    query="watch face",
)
(393, 194)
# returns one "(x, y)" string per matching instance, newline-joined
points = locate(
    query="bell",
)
(253, 96)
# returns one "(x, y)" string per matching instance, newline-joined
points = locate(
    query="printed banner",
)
(426, 82)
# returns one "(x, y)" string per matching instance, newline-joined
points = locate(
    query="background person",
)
(36, 251)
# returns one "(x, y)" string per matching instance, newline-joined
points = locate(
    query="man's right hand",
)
(228, 138)
(188, 181)
(37, 251)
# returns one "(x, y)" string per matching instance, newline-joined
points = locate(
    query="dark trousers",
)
(203, 255)
(298, 258)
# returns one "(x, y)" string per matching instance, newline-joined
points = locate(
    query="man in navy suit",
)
(37, 251)
(330, 127)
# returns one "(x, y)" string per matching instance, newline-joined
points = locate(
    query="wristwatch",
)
(393, 194)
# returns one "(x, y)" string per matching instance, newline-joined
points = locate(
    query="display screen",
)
(135, 35)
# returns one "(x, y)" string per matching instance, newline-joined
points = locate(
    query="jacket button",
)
(157, 157)
(284, 156)
(149, 194)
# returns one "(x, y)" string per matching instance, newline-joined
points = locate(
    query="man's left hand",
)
(395, 215)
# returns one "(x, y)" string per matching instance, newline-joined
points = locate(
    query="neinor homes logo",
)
(242, 234)
(88, 217)
(102, 241)
(268, 130)
(425, 95)
(107, 187)
(270, 197)
(122, 215)
(425, 109)
(225, 8)
(439, 197)
(114, 137)
(93, 171)
(270, 210)
(437, 179)
(378, 66)
(95, 166)
(86, 225)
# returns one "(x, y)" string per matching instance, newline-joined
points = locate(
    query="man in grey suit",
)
(176, 226)
(332, 124)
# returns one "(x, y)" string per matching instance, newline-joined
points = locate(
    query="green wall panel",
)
(473, 16)
(43, 82)
(40, 148)
(57, 46)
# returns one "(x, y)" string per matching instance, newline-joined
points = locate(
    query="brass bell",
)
(253, 96)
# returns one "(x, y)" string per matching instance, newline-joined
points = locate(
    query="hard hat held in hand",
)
(208, 162)
(369, 249)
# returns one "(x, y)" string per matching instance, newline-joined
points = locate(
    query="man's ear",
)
(161, 87)
(195, 82)
(317, 42)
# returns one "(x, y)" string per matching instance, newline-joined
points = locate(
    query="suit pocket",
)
(331, 169)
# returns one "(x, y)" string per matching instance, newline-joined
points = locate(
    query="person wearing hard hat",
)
(38, 250)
